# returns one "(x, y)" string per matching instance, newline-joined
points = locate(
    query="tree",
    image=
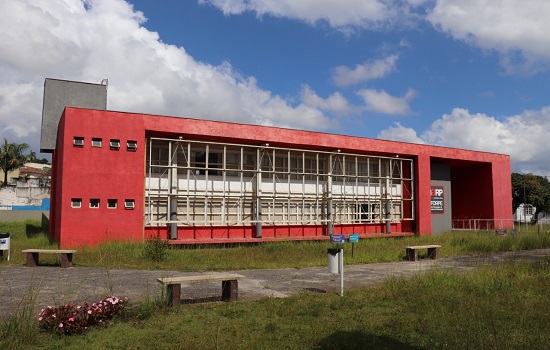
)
(11, 157)
(531, 189)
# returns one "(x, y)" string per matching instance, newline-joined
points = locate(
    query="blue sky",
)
(469, 74)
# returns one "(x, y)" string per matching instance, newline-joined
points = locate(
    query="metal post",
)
(173, 192)
(341, 256)
(258, 184)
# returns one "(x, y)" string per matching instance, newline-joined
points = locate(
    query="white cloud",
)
(400, 133)
(518, 29)
(339, 14)
(344, 76)
(523, 137)
(335, 103)
(97, 39)
(382, 102)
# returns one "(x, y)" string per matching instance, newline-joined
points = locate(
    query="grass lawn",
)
(496, 307)
(505, 306)
(265, 255)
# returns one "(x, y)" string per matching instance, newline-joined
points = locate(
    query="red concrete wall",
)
(103, 173)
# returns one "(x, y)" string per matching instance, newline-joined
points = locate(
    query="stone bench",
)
(230, 286)
(66, 256)
(412, 251)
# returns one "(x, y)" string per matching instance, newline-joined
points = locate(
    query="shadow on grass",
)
(360, 340)
(33, 230)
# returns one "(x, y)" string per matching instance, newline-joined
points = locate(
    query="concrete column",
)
(173, 205)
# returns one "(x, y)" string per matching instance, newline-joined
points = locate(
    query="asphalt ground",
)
(37, 287)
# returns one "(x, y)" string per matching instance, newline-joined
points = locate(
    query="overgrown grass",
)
(504, 307)
(494, 307)
(155, 255)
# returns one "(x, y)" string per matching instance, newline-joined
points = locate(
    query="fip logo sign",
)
(437, 199)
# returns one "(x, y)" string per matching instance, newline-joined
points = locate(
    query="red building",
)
(124, 176)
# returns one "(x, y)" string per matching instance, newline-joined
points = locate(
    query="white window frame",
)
(96, 142)
(129, 204)
(131, 145)
(111, 201)
(78, 141)
(76, 202)
(114, 144)
(93, 201)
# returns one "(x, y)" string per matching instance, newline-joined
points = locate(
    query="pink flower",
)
(71, 319)
(61, 325)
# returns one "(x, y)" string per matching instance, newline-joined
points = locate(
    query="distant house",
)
(525, 213)
(28, 185)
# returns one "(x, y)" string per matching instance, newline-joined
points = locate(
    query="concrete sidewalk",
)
(45, 285)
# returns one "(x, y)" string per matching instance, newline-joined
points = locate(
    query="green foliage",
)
(12, 157)
(156, 249)
(531, 189)
(158, 254)
(493, 307)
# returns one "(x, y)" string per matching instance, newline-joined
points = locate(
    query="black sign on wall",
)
(437, 198)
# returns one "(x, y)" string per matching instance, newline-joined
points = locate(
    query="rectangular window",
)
(78, 141)
(129, 204)
(112, 203)
(114, 144)
(96, 142)
(131, 145)
(76, 202)
(94, 202)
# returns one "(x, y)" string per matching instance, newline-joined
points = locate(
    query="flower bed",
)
(73, 319)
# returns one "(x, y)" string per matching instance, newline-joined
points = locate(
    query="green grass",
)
(265, 255)
(496, 307)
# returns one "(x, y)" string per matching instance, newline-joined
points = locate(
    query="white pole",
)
(341, 272)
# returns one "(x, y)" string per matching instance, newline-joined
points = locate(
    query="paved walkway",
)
(41, 286)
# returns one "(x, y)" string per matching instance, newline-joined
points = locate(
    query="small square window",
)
(129, 204)
(112, 203)
(96, 142)
(78, 141)
(131, 145)
(94, 202)
(76, 202)
(114, 144)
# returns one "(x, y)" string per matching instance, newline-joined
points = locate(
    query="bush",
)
(74, 319)
(156, 249)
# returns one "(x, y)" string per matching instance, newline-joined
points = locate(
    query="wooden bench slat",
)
(200, 278)
(53, 251)
(423, 246)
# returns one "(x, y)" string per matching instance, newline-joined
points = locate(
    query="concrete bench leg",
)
(66, 260)
(433, 253)
(230, 290)
(412, 254)
(174, 294)
(32, 259)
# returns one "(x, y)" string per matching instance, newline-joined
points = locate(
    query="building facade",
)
(127, 176)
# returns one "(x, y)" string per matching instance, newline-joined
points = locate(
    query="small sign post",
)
(340, 239)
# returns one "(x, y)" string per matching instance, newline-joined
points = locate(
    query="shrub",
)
(74, 319)
(156, 249)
